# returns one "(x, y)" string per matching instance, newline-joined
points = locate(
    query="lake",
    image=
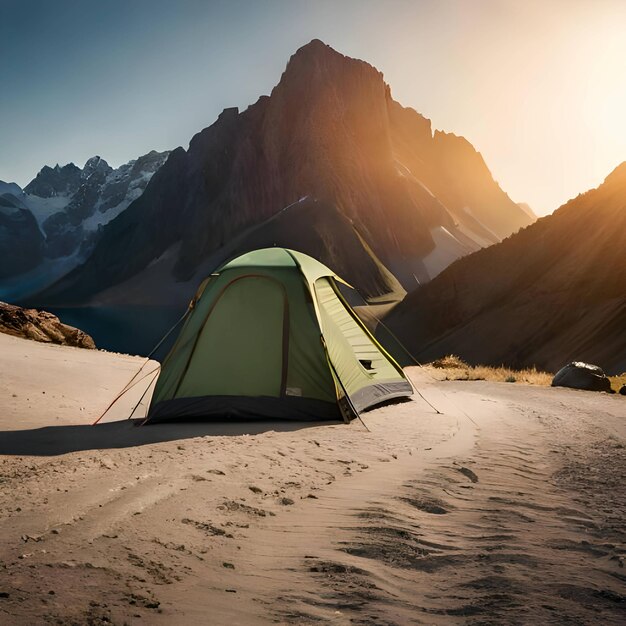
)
(131, 330)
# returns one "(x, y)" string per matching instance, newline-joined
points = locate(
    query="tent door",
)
(243, 347)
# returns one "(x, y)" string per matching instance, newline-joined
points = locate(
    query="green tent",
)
(269, 335)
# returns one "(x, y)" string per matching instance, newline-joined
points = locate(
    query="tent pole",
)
(144, 393)
(128, 385)
(345, 392)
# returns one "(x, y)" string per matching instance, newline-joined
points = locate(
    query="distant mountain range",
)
(552, 293)
(328, 164)
(53, 224)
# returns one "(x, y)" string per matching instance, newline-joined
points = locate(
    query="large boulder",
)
(41, 326)
(579, 375)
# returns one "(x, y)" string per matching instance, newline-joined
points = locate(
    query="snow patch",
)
(294, 203)
(42, 208)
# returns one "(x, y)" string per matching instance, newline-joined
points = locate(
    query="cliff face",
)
(331, 132)
(552, 293)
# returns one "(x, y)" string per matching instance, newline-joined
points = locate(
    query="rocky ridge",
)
(555, 292)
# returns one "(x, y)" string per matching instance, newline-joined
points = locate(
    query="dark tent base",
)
(380, 393)
(242, 407)
(288, 407)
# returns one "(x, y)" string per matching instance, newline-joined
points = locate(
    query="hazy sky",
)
(539, 87)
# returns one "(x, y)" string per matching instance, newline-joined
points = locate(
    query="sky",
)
(537, 86)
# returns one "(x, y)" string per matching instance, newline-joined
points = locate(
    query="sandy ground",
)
(506, 509)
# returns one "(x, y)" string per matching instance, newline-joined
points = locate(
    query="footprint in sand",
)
(467, 472)
(435, 507)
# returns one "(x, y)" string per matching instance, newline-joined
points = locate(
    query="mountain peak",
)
(95, 164)
(93, 161)
(317, 59)
(315, 47)
(54, 181)
(12, 188)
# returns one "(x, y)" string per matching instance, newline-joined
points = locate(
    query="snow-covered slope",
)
(62, 212)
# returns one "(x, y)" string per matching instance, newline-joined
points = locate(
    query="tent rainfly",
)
(269, 335)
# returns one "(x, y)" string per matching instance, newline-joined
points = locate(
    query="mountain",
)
(56, 181)
(408, 200)
(11, 188)
(21, 242)
(552, 293)
(51, 226)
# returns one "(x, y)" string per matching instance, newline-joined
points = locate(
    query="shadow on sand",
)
(55, 440)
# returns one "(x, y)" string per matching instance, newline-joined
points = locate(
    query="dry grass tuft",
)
(618, 381)
(449, 362)
(451, 367)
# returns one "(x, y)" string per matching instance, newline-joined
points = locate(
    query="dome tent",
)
(269, 335)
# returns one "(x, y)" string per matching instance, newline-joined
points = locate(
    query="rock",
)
(579, 375)
(107, 463)
(41, 326)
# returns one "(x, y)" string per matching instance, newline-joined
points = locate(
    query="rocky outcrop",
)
(41, 326)
(554, 292)
(329, 131)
